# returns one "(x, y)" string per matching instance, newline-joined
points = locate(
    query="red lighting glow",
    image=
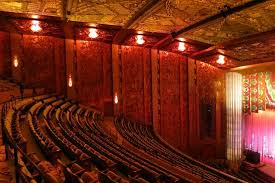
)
(35, 26)
(93, 33)
(140, 39)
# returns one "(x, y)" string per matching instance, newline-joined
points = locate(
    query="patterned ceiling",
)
(170, 16)
(250, 21)
(173, 15)
(112, 12)
(39, 7)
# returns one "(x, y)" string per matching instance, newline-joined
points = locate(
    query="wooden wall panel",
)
(60, 66)
(17, 53)
(93, 83)
(5, 66)
(39, 63)
(136, 83)
(173, 101)
(206, 87)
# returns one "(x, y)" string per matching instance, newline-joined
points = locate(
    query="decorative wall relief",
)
(136, 83)
(4, 54)
(39, 62)
(91, 57)
(173, 99)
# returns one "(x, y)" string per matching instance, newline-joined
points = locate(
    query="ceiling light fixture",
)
(182, 46)
(93, 33)
(35, 26)
(140, 39)
(221, 60)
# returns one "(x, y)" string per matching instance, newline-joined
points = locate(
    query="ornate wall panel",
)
(4, 54)
(173, 99)
(136, 83)
(211, 83)
(92, 59)
(17, 53)
(60, 66)
(39, 61)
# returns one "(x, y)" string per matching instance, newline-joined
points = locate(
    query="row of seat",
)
(143, 137)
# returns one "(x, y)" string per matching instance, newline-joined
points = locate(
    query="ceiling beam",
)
(144, 11)
(224, 13)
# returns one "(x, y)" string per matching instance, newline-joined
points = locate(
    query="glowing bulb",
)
(181, 46)
(35, 26)
(15, 62)
(93, 33)
(221, 60)
(70, 81)
(116, 99)
(140, 39)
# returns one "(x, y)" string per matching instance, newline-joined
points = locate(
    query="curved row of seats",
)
(61, 127)
(143, 137)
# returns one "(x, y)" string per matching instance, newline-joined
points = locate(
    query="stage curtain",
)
(260, 134)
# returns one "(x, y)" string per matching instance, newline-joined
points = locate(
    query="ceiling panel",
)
(250, 21)
(173, 15)
(112, 12)
(42, 7)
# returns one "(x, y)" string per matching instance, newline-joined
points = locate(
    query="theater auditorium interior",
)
(137, 91)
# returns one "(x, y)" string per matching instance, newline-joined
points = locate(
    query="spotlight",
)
(35, 26)
(181, 46)
(140, 39)
(93, 33)
(221, 60)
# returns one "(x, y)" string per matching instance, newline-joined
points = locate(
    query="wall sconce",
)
(15, 62)
(140, 40)
(181, 46)
(70, 81)
(221, 60)
(116, 99)
(35, 26)
(93, 33)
